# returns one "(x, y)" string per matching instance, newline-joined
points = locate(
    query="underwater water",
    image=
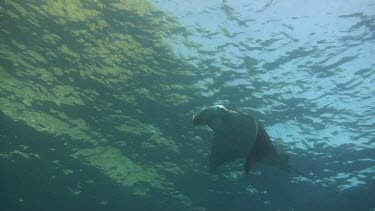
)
(97, 98)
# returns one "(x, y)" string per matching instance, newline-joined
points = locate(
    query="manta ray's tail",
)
(281, 161)
(297, 171)
(285, 161)
(352, 199)
(286, 166)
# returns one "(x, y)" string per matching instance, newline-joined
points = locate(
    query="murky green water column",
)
(76, 78)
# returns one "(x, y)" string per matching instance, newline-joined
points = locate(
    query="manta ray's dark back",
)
(237, 136)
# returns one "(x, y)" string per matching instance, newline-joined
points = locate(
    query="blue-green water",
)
(96, 101)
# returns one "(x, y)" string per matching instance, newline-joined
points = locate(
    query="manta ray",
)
(239, 136)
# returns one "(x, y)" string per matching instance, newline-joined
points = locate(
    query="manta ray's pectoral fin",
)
(221, 152)
(261, 149)
(256, 153)
(249, 163)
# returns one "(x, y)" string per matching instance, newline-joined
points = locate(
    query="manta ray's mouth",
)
(198, 121)
(195, 121)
